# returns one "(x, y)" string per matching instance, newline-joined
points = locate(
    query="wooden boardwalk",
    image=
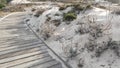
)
(20, 48)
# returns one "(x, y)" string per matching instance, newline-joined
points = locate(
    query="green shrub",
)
(1, 6)
(3, 1)
(70, 16)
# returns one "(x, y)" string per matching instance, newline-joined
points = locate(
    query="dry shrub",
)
(82, 29)
(39, 12)
(81, 63)
(62, 7)
(97, 32)
(81, 7)
(69, 50)
(46, 31)
(105, 45)
(33, 9)
(56, 22)
(117, 12)
(103, 7)
(78, 7)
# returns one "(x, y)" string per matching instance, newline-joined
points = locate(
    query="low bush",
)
(88, 6)
(3, 1)
(56, 22)
(117, 12)
(70, 16)
(103, 7)
(39, 12)
(78, 7)
(1, 5)
(62, 8)
(33, 9)
(81, 7)
(8, 1)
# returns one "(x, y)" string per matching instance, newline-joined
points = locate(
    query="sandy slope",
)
(66, 33)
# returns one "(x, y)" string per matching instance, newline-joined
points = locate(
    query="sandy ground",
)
(107, 60)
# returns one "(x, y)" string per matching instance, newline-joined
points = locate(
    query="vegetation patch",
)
(70, 16)
(81, 7)
(1, 5)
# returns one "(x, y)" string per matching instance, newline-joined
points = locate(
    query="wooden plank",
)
(19, 51)
(25, 60)
(45, 64)
(29, 64)
(10, 59)
(19, 46)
